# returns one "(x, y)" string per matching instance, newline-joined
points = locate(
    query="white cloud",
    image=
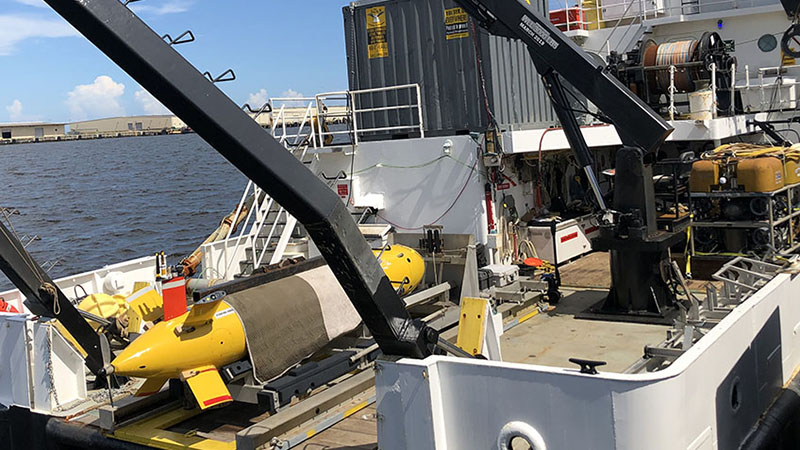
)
(99, 99)
(160, 9)
(291, 93)
(258, 99)
(17, 28)
(37, 3)
(14, 110)
(149, 103)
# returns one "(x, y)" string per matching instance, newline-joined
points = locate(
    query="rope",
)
(44, 287)
(49, 289)
(733, 152)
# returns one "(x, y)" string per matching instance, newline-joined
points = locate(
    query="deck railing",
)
(354, 112)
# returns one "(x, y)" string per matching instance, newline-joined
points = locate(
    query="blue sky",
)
(276, 47)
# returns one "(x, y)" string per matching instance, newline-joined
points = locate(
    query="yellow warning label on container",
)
(378, 46)
(455, 23)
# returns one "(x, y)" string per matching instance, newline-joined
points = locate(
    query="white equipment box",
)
(572, 238)
(500, 274)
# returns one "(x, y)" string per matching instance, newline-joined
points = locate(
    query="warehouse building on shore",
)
(31, 131)
(128, 126)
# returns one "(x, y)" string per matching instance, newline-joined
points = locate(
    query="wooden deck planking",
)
(357, 432)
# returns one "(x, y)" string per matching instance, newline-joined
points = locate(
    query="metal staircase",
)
(273, 230)
(269, 233)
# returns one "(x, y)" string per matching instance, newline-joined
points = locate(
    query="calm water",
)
(104, 201)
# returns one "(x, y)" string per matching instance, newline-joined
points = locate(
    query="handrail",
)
(353, 113)
(777, 100)
(310, 133)
(238, 211)
(644, 11)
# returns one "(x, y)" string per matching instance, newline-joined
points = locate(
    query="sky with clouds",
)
(277, 48)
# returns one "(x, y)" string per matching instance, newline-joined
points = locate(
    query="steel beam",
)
(154, 64)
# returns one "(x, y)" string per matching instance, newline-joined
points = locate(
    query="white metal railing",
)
(773, 94)
(229, 256)
(222, 257)
(354, 113)
(289, 223)
(776, 100)
(615, 13)
(713, 107)
(282, 120)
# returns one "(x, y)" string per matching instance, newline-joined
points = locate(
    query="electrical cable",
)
(413, 166)
(441, 216)
(599, 116)
(489, 115)
(539, 180)
(479, 62)
(352, 163)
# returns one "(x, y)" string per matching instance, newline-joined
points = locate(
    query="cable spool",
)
(692, 59)
(666, 54)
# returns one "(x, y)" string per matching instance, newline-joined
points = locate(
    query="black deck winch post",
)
(41, 294)
(154, 64)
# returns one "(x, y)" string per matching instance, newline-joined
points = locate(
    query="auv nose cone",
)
(135, 361)
(126, 365)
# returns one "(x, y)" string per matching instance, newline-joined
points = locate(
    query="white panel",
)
(14, 385)
(69, 370)
(421, 184)
(703, 442)
(406, 389)
(139, 269)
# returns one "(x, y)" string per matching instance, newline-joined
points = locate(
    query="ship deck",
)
(549, 338)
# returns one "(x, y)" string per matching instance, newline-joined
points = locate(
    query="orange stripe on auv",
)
(215, 400)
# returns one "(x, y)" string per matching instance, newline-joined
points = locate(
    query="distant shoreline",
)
(86, 137)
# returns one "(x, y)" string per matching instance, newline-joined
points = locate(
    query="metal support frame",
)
(154, 64)
(305, 378)
(572, 131)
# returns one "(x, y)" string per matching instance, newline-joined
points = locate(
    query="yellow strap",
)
(688, 269)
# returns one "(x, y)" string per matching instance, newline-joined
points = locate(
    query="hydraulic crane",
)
(640, 266)
(155, 64)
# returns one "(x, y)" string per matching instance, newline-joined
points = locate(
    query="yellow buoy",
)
(403, 265)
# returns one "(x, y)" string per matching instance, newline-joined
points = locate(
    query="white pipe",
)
(671, 92)
(713, 68)
(419, 112)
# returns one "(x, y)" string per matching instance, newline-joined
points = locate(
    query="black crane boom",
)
(552, 51)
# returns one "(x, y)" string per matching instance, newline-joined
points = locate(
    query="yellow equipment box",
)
(704, 176)
(764, 174)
